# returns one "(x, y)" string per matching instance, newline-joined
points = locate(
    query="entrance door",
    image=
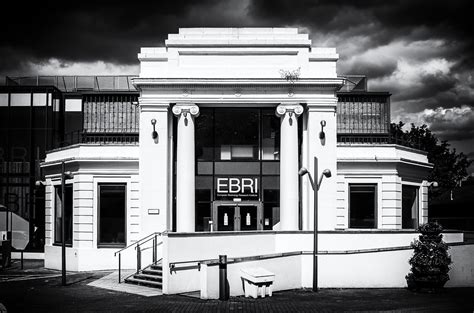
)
(240, 216)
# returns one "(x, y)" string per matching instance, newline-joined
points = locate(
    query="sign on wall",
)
(237, 187)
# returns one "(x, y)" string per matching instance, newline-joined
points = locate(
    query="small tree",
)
(449, 167)
(430, 261)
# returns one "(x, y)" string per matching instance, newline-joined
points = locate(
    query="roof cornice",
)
(140, 83)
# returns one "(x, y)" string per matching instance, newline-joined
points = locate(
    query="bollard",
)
(139, 259)
(223, 289)
(120, 268)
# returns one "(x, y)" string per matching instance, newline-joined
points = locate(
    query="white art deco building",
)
(225, 120)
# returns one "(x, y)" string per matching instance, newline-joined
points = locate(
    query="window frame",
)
(57, 187)
(112, 245)
(376, 210)
(416, 214)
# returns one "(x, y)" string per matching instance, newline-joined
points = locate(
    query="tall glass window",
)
(409, 207)
(362, 206)
(112, 212)
(237, 149)
(67, 214)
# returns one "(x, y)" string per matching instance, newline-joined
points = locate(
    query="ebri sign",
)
(237, 186)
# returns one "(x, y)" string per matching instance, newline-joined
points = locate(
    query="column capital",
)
(192, 109)
(292, 108)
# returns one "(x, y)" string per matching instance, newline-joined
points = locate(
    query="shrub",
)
(430, 261)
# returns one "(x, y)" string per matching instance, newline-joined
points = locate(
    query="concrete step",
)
(157, 267)
(153, 272)
(143, 282)
(148, 277)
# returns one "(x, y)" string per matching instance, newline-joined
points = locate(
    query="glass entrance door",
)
(226, 218)
(248, 217)
(242, 216)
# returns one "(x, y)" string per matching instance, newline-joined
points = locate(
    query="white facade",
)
(275, 68)
(93, 165)
(243, 67)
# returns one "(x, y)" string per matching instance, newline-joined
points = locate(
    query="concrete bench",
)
(257, 281)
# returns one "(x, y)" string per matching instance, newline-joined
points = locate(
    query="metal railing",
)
(196, 264)
(378, 139)
(139, 248)
(80, 136)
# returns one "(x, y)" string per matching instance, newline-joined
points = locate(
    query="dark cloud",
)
(452, 124)
(430, 86)
(453, 18)
(381, 23)
(89, 30)
(372, 69)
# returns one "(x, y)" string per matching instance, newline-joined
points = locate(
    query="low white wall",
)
(205, 246)
(362, 270)
(462, 269)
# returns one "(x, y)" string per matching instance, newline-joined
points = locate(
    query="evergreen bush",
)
(430, 261)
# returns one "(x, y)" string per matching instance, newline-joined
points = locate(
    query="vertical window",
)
(409, 207)
(112, 210)
(362, 206)
(236, 134)
(270, 136)
(271, 197)
(67, 214)
(203, 202)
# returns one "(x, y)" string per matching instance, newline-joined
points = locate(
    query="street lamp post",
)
(315, 185)
(64, 175)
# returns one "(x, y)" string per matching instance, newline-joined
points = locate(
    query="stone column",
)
(155, 169)
(288, 114)
(321, 108)
(185, 172)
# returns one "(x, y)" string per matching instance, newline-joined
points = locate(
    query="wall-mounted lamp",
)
(322, 135)
(154, 134)
(433, 184)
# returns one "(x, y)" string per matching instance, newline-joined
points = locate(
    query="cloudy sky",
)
(420, 51)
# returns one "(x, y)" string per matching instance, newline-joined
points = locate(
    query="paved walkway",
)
(110, 282)
(45, 294)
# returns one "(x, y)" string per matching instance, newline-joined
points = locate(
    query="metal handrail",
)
(137, 245)
(136, 242)
(213, 262)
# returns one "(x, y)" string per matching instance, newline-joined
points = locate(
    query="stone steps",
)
(151, 276)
